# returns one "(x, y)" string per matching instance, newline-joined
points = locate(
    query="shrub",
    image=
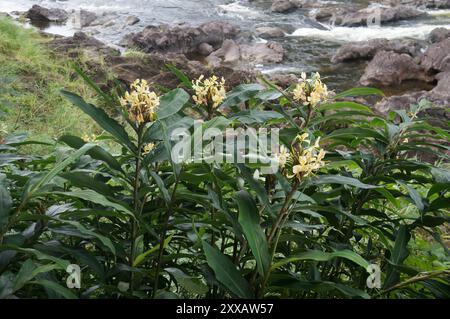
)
(351, 192)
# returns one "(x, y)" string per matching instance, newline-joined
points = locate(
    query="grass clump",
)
(31, 78)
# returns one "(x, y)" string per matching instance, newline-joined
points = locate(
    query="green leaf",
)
(345, 105)
(85, 180)
(190, 284)
(63, 291)
(5, 202)
(242, 93)
(171, 103)
(318, 255)
(96, 152)
(249, 220)
(98, 115)
(226, 272)
(142, 257)
(342, 180)
(94, 197)
(28, 271)
(398, 255)
(180, 75)
(58, 168)
(359, 92)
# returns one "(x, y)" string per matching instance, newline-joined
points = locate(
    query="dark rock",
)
(81, 41)
(39, 13)
(368, 49)
(437, 57)
(183, 38)
(438, 35)
(388, 68)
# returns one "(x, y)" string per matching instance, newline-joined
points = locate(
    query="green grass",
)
(32, 77)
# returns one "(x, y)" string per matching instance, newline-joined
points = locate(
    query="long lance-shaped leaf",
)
(172, 103)
(108, 124)
(58, 168)
(226, 272)
(250, 221)
(318, 255)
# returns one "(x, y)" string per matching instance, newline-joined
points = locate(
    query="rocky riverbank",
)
(226, 49)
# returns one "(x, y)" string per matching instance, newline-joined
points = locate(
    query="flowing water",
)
(309, 45)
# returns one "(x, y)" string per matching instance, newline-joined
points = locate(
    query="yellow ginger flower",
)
(283, 156)
(306, 160)
(310, 91)
(89, 138)
(148, 148)
(141, 103)
(210, 92)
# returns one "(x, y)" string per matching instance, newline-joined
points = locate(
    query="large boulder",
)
(390, 68)
(438, 35)
(269, 32)
(431, 4)
(283, 6)
(437, 57)
(38, 13)
(367, 49)
(233, 54)
(182, 38)
(349, 17)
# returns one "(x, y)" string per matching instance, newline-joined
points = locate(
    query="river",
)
(309, 45)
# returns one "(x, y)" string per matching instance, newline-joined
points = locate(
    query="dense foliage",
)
(140, 225)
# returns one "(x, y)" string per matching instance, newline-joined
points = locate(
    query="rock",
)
(39, 13)
(270, 52)
(368, 49)
(438, 35)
(132, 20)
(388, 68)
(437, 57)
(229, 53)
(183, 38)
(284, 80)
(83, 18)
(443, 86)
(269, 32)
(284, 6)
(80, 41)
(232, 54)
(430, 4)
(368, 16)
(205, 49)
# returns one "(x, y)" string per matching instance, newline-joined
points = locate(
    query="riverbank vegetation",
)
(356, 196)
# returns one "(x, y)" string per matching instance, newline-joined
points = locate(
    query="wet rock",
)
(233, 54)
(205, 49)
(390, 68)
(431, 4)
(132, 20)
(368, 16)
(269, 32)
(229, 53)
(183, 38)
(437, 57)
(284, 6)
(443, 86)
(38, 13)
(284, 80)
(83, 18)
(438, 35)
(270, 52)
(367, 49)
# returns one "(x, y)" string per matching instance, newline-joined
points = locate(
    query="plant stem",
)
(134, 225)
(163, 238)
